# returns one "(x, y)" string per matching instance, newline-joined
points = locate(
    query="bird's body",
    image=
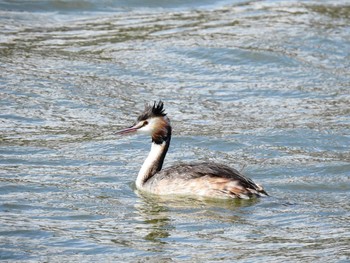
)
(196, 179)
(202, 179)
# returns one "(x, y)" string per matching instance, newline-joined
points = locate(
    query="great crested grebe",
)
(196, 179)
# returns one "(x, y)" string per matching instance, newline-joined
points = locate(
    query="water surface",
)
(260, 85)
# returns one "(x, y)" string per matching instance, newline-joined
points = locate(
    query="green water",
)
(260, 85)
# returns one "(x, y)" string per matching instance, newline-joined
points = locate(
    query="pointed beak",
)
(127, 130)
(131, 129)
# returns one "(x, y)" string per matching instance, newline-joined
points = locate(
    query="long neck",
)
(154, 161)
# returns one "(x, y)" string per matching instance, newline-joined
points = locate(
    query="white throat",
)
(151, 164)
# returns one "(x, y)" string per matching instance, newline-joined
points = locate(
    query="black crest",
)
(155, 110)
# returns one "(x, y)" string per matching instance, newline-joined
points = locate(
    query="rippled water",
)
(260, 85)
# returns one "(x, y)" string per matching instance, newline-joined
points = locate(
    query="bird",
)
(202, 179)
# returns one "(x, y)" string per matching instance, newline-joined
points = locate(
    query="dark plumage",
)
(218, 174)
(150, 111)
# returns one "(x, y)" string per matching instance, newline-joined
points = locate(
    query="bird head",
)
(152, 121)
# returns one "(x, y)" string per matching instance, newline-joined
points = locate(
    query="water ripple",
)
(260, 85)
